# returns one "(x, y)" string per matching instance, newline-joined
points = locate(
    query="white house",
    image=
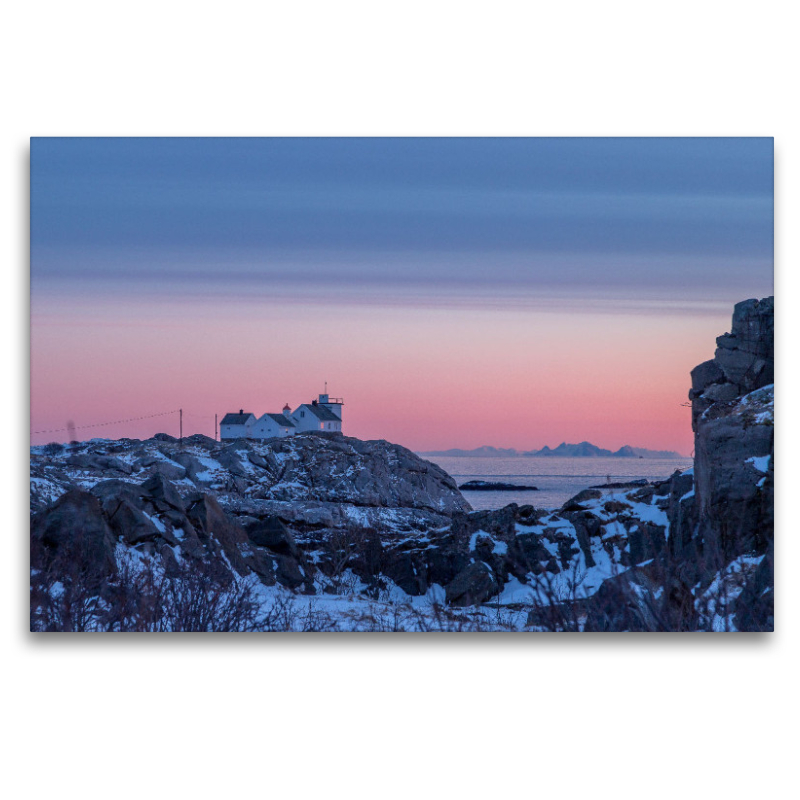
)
(237, 426)
(323, 414)
(268, 426)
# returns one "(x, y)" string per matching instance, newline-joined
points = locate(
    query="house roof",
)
(235, 419)
(281, 420)
(321, 413)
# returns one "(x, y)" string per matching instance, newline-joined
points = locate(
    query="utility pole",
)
(180, 411)
(215, 427)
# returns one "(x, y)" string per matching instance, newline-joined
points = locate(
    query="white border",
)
(388, 716)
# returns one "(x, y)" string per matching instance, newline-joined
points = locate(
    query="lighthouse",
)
(333, 404)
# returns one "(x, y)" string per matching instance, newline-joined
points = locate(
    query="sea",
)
(557, 478)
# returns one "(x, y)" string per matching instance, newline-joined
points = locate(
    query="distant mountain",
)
(581, 450)
(484, 451)
(588, 450)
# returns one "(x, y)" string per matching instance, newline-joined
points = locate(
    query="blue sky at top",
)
(671, 218)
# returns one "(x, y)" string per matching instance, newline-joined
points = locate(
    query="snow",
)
(763, 395)
(515, 592)
(649, 513)
(501, 548)
(614, 529)
(761, 463)
(723, 590)
(156, 521)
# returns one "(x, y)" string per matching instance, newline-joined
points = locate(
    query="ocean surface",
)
(557, 478)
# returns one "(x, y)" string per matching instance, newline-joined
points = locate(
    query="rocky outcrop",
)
(291, 511)
(74, 534)
(721, 512)
(311, 481)
(732, 417)
(743, 362)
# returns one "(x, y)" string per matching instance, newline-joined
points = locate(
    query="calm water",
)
(557, 478)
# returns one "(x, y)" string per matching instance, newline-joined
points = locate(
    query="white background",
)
(394, 716)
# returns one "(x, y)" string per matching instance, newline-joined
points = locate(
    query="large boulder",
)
(73, 534)
(364, 473)
(472, 586)
(226, 540)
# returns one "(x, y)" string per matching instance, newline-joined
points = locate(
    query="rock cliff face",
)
(732, 417)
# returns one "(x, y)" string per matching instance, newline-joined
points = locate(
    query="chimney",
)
(241, 411)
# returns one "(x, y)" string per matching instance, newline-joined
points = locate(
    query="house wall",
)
(235, 431)
(304, 420)
(267, 428)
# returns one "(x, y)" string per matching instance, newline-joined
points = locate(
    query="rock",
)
(131, 524)
(444, 559)
(75, 534)
(645, 541)
(257, 460)
(373, 473)
(739, 366)
(729, 494)
(219, 534)
(500, 522)
(494, 486)
(168, 469)
(754, 607)
(641, 599)
(271, 533)
(229, 459)
(730, 512)
(288, 572)
(621, 484)
(162, 494)
(582, 497)
(199, 440)
(97, 462)
(705, 374)
(472, 586)
(407, 570)
(191, 464)
(113, 491)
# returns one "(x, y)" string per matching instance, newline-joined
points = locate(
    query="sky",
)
(456, 292)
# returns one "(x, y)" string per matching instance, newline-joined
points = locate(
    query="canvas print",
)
(401, 384)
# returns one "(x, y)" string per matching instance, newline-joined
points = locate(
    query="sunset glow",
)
(455, 308)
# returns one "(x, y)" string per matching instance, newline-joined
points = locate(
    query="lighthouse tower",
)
(333, 404)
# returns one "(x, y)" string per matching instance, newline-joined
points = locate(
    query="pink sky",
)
(427, 378)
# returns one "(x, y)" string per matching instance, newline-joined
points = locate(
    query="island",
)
(494, 486)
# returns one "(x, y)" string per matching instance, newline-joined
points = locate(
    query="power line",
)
(101, 424)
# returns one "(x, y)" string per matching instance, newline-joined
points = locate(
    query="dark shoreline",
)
(494, 486)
